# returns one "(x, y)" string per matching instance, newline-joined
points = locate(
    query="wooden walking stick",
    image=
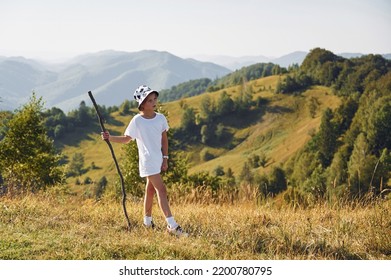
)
(114, 158)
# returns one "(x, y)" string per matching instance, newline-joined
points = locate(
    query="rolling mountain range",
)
(113, 75)
(235, 63)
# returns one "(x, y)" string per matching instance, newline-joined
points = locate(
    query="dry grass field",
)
(66, 227)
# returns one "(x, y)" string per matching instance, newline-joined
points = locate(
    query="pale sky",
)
(56, 29)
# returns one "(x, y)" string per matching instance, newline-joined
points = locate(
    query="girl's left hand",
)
(165, 164)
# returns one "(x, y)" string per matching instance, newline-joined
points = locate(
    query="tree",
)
(292, 83)
(345, 113)
(379, 124)
(186, 89)
(276, 70)
(55, 122)
(254, 161)
(83, 114)
(188, 123)
(207, 134)
(219, 171)
(59, 131)
(277, 180)
(5, 117)
(124, 109)
(312, 104)
(301, 166)
(316, 183)
(338, 168)
(207, 109)
(230, 178)
(246, 174)
(76, 164)
(225, 104)
(28, 160)
(177, 171)
(243, 102)
(100, 188)
(327, 138)
(219, 133)
(360, 166)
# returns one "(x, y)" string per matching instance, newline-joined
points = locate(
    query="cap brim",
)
(153, 91)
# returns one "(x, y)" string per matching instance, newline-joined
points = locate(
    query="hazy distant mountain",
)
(18, 78)
(112, 76)
(289, 59)
(235, 63)
(231, 62)
(350, 55)
(353, 55)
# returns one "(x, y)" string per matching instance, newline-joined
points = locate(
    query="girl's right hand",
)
(105, 135)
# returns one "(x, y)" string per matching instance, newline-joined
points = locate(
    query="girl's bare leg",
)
(160, 188)
(148, 198)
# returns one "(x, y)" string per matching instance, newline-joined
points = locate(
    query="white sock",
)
(171, 222)
(147, 220)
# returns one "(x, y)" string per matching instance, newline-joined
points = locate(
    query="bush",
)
(28, 161)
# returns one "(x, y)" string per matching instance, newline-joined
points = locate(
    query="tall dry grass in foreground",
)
(67, 227)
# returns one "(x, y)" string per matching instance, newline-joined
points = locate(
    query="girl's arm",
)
(116, 139)
(165, 150)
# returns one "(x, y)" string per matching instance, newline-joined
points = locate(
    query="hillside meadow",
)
(278, 130)
(66, 227)
(72, 222)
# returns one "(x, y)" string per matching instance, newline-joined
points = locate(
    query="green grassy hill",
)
(277, 129)
(95, 151)
(335, 205)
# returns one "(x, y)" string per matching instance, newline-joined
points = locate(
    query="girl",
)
(149, 129)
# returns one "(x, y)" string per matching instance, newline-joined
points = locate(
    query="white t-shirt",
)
(148, 135)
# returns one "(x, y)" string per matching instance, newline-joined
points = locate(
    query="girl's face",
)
(150, 102)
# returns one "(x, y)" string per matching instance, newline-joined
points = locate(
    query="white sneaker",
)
(178, 231)
(151, 225)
